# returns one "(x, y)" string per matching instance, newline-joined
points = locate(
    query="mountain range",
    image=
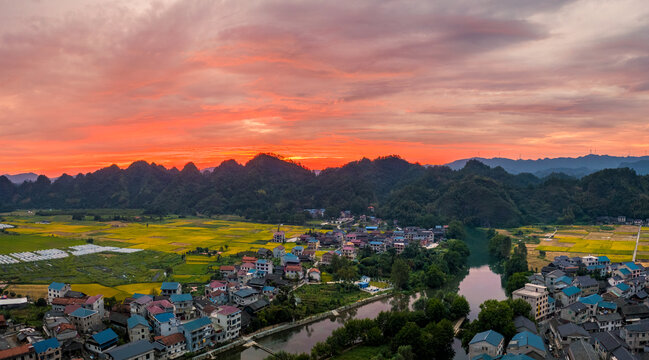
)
(577, 167)
(270, 189)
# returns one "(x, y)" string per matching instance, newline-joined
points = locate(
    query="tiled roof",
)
(56, 286)
(92, 299)
(82, 313)
(169, 286)
(226, 268)
(227, 310)
(571, 290)
(623, 286)
(131, 350)
(136, 320)
(105, 336)
(171, 339)
(180, 297)
(164, 317)
(490, 336)
(527, 338)
(590, 299)
(42, 346)
(245, 292)
(14, 352)
(197, 324)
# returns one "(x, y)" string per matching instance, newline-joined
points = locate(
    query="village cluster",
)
(175, 322)
(585, 308)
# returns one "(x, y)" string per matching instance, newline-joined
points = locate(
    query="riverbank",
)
(288, 326)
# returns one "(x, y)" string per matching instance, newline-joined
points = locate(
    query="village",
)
(184, 319)
(584, 308)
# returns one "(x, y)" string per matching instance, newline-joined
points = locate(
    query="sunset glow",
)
(85, 84)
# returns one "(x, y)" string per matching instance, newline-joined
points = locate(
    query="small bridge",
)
(253, 343)
(457, 325)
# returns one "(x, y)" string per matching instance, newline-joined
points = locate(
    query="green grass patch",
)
(324, 297)
(361, 353)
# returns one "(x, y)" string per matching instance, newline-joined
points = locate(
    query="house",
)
(227, 270)
(398, 247)
(605, 343)
(139, 350)
(307, 255)
(552, 277)
(95, 303)
(229, 319)
(257, 306)
(64, 331)
(175, 345)
(199, 334)
(279, 251)
(248, 259)
(526, 343)
(297, 251)
(290, 259)
(582, 350)
(536, 296)
(56, 290)
(522, 323)
(61, 304)
(159, 306)
(586, 284)
(138, 328)
(184, 305)
(139, 305)
(589, 260)
(264, 253)
(293, 272)
(23, 352)
(264, 265)
(214, 286)
(102, 341)
(489, 342)
(570, 333)
(634, 313)
(569, 295)
(576, 313)
(170, 288)
(327, 257)
(349, 251)
(377, 246)
(314, 274)
(536, 279)
(48, 349)
(591, 302)
(608, 322)
(245, 296)
(165, 324)
(279, 237)
(269, 291)
(636, 336)
(313, 244)
(85, 320)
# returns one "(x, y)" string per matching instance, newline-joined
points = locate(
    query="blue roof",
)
(515, 357)
(371, 227)
(527, 338)
(136, 320)
(164, 317)
(607, 305)
(376, 243)
(623, 286)
(625, 271)
(313, 240)
(603, 259)
(290, 256)
(105, 336)
(565, 279)
(298, 248)
(631, 265)
(245, 292)
(590, 299)
(42, 346)
(492, 337)
(197, 324)
(56, 286)
(138, 295)
(261, 261)
(82, 313)
(594, 267)
(550, 299)
(268, 288)
(571, 290)
(482, 357)
(180, 297)
(169, 286)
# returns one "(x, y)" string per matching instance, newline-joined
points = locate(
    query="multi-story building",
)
(138, 328)
(170, 288)
(636, 335)
(85, 320)
(199, 334)
(488, 342)
(264, 265)
(175, 345)
(49, 349)
(536, 296)
(229, 319)
(56, 290)
(183, 304)
(165, 324)
(279, 237)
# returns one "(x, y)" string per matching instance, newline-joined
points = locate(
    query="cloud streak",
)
(90, 84)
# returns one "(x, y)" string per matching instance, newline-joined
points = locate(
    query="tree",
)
(435, 310)
(41, 302)
(498, 316)
(520, 308)
(516, 281)
(409, 334)
(500, 246)
(435, 277)
(455, 230)
(400, 273)
(459, 307)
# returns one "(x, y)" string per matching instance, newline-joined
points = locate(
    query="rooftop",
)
(197, 324)
(131, 350)
(170, 286)
(104, 337)
(56, 286)
(527, 338)
(180, 298)
(164, 317)
(82, 313)
(136, 320)
(571, 291)
(42, 346)
(490, 336)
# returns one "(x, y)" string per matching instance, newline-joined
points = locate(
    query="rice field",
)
(616, 242)
(120, 292)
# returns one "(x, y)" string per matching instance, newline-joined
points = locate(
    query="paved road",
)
(637, 240)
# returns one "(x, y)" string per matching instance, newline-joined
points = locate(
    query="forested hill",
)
(270, 189)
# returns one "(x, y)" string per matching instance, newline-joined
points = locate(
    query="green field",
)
(319, 298)
(617, 242)
(361, 353)
(171, 235)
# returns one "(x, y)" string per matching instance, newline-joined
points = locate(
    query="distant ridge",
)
(21, 178)
(577, 167)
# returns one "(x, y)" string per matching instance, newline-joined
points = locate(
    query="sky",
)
(85, 84)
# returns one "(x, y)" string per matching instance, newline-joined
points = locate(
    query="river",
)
(479, 284)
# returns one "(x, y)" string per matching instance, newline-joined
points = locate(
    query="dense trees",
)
(499, 316)
(270, 189)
